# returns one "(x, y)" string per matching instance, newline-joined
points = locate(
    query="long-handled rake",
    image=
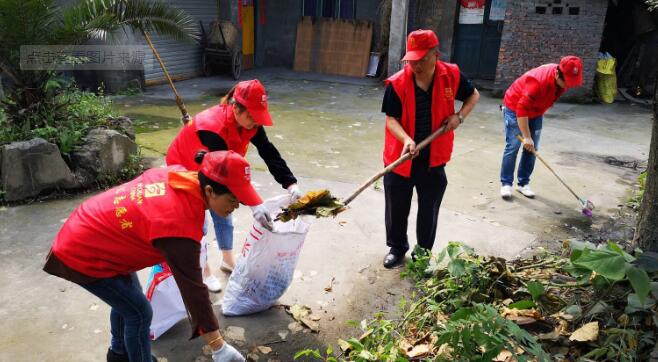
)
(586, 205)
(321, 204)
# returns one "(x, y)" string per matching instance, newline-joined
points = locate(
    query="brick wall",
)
(531, 38)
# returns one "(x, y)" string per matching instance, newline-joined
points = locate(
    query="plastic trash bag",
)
(164, 295)
(606, 78)
(267, 263)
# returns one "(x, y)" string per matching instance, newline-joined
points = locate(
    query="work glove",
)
(295, 193)
(227, 353)
(262, 215)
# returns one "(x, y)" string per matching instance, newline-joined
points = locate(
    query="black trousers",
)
(430, 184)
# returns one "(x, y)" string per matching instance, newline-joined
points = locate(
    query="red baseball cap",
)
(572, 69)
(251, 94)
(231, 170)
(419, 42)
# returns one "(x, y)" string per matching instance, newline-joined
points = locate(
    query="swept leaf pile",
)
(319, 203)
(592, 303)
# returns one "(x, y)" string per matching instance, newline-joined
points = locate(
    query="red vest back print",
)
(444, 89)
(112, 233)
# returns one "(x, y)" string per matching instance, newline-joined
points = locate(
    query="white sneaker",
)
(506, 192)
(526, 191)
(213, 284)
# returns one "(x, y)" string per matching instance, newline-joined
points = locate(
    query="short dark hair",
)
(559, 73)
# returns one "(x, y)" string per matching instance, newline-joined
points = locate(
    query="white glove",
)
(295, 193)
(262, 215)
(227, 354)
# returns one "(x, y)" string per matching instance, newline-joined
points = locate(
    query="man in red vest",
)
(420, 99)
(526, 101)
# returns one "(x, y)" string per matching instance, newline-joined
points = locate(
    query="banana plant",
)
(43, 22)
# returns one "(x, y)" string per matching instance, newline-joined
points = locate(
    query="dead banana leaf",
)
(504, 356)
(587, 333)
(264, 349)
(419, 351)
(302, 314)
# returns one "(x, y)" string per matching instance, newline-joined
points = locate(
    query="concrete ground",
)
(330, 131)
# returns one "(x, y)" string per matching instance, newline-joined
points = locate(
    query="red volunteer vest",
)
(444, 89)
(533, 93)
(112, 233)
(218, 119)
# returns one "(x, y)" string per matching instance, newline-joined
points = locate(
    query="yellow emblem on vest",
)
(449, 94)
(156, 189)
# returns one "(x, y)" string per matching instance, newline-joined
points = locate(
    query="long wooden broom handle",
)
(551, 169)
(179, 100)
(395, 164)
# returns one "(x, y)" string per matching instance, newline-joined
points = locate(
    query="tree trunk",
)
(646, 233)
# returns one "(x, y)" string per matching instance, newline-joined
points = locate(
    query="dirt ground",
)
(330, 131)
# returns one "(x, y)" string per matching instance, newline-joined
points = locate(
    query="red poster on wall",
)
(471, 11)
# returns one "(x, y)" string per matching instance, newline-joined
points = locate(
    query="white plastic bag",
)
(267, 263)
(164, 295)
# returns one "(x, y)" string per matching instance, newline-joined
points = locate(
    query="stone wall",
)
(542, 31)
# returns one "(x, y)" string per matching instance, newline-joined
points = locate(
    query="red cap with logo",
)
(572, 69)
(231, 170)
(251, 94)
(419, 42)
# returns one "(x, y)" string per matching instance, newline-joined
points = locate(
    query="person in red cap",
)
(525, 103)
(231, 125)
(419, 100)
(154, 218)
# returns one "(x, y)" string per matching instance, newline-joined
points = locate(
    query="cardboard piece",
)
(333, 46)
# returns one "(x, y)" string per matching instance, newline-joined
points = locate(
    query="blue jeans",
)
(527, 163)
(223, 230)
(130, 317)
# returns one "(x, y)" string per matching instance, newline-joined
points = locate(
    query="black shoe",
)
(393, 260)
(115, 357)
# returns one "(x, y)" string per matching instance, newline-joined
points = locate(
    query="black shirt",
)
(266, 150)
(392, 106)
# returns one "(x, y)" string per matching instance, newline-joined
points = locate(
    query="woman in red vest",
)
(237, 121)
(154, 218)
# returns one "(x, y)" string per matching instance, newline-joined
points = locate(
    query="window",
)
(309, 8)
(343, 9)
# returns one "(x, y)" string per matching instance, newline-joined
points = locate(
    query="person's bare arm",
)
(401, 135)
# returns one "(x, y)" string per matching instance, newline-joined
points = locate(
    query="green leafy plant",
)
(610, 264)
(33, 92)
(479, 333)
(636, 200)
(130, 91)
(65, 121)
(132, 168)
